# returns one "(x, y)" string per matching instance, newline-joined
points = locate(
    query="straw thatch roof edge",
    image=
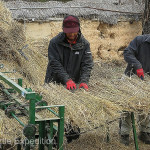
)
(52, 10)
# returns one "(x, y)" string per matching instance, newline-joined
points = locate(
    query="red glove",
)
(70, 84)
(83, 85)
(140, 72)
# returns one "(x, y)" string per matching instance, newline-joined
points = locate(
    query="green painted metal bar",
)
(20, 82)
(134, 131)
(18, 88)
(12, 84)
(41, 135)
(18, 120)
(53, 112)
(13, 98)
(12, 113)
(7, 72)
(48, 108)
(11, 90)
(18, 101)
(61, 127)
(32, 111)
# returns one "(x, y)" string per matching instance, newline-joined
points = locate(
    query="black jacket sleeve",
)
(131, 52)
(86, 64)
(55, 63)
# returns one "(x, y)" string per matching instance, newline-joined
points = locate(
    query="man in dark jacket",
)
(137, 55)
(70, 59)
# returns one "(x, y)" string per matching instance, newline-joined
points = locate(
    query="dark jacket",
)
(137, 54)
(69, 62)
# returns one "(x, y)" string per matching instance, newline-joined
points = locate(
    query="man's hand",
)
(70, 85)
(140, 73)
(83, 85)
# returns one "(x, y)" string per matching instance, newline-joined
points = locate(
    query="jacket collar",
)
(79, 44)
(62, 37)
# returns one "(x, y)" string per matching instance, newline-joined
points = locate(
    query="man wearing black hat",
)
(70, 59)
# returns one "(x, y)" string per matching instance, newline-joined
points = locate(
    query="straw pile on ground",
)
(110, 92)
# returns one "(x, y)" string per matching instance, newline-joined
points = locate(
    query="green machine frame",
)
(46, 126)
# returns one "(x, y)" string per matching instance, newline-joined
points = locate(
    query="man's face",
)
(71, 36)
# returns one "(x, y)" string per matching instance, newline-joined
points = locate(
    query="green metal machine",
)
(38, 129)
